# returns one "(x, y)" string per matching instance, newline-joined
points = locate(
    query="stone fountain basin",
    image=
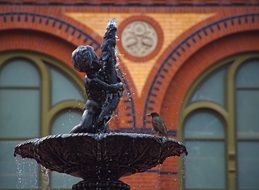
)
(104, 156)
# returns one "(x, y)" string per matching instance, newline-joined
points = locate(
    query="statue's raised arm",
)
(109, 73)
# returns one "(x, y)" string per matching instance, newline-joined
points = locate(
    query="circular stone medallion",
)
(140, 39)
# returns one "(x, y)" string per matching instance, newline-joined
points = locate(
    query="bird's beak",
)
(148, 114)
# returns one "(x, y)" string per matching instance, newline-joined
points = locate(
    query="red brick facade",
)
(54, 28)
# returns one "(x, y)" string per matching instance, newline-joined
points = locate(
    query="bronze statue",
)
(102, 83)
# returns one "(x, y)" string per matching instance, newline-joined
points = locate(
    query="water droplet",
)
(18, 172)
(45, 177)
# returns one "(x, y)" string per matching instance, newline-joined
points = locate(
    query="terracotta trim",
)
(174, 3)
(196, 65)
(187, 47)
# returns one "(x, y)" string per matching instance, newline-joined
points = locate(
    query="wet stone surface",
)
(100, 157)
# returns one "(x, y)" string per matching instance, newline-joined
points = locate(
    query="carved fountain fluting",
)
(90, 151)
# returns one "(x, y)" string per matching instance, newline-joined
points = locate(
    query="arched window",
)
(19, 91)
(204, 137)
(220, 127)
(247, 124)
(38, 96)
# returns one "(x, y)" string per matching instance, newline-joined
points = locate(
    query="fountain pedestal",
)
(100, 159)
(101, 185)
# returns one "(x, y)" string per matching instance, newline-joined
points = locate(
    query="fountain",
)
(90, 151)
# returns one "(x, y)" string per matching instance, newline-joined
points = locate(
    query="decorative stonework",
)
(100, 159)
(139, 38)
(188, 46)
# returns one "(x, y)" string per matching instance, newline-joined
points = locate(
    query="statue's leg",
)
(87, 122)
(83, 126)
(76, 129)
(109, 106)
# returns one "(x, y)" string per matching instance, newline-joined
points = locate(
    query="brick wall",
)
(192, 39)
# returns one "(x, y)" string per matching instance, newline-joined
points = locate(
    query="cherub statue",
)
(102, 83)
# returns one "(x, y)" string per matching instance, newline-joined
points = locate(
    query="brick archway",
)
(197, 64)
(178, 58)
(23, 31)
(20, 29)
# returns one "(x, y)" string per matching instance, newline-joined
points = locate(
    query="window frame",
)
(226, 112)
(47, 112)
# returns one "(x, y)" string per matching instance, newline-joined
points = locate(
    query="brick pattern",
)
(197, 64)
(135, 2)
(182, 61)
(195, 41)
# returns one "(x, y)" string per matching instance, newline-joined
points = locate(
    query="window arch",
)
(38, 97)
(204, 130)
(220, 126)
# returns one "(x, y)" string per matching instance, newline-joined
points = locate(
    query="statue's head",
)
(85, 60)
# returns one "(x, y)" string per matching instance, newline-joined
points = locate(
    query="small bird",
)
(158, 124)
